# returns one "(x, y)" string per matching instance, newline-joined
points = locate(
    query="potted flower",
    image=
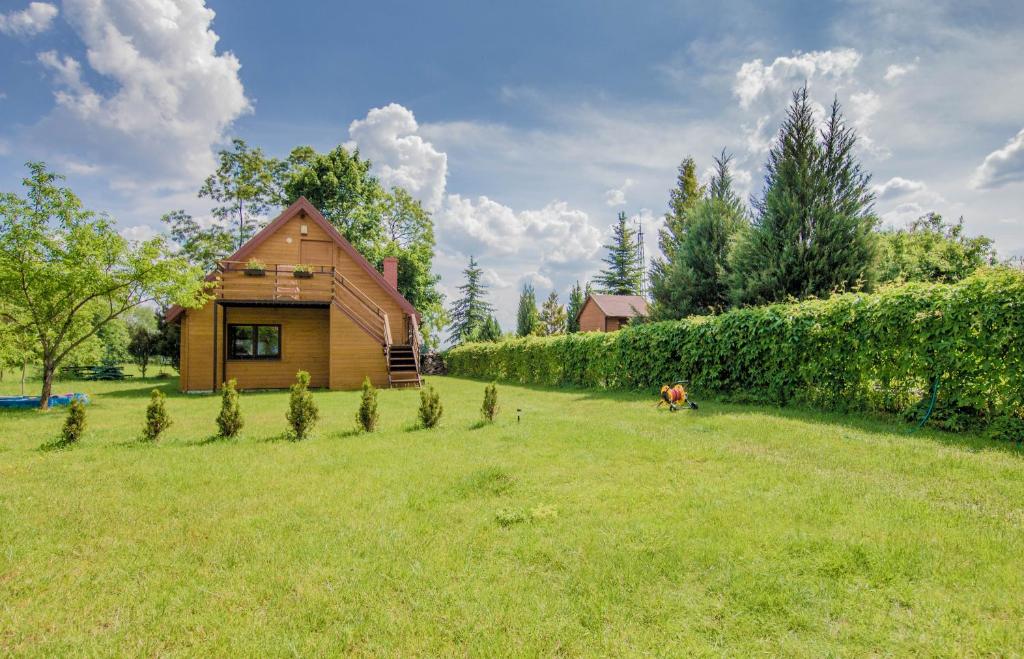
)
(302, 271)
(255, 268)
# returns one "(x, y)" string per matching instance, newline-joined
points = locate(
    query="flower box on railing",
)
(255, 268)
(302, 272)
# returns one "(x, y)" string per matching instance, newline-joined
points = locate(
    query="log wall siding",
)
(591, 317)
(354, 355)
(305, 336)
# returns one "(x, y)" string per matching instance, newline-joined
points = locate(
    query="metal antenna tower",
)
(641, 256)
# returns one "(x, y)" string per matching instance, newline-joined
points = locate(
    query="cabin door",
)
(316, 252)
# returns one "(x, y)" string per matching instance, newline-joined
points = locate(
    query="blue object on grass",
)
(27, 402)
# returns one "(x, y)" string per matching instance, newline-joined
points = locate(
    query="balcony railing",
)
(234, 280)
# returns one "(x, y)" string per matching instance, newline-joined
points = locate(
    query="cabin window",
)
(254, 341)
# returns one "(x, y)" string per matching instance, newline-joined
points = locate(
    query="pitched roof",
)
(619, 306)
(302, 205)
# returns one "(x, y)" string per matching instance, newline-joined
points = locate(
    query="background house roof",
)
(620, 306)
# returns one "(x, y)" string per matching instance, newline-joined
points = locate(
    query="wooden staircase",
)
(403, 366)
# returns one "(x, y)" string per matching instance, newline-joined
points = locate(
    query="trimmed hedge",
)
(880, 351)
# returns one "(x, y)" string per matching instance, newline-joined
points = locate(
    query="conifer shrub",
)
(367, 417)
(229, 421)
(430, 407)
(74, 424)
(490, 406)
(302, 410)
(157, 419)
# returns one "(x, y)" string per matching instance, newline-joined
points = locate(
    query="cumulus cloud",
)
(755, 78)
(554, 236)
(1002, 166)
(36, 18)
(388, 137)
(617, 196)
(171, 95)
(898, 186)
(896, 71)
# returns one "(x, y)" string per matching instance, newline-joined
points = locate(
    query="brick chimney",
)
(391, 271)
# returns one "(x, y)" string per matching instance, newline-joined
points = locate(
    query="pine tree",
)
(576, 301)
(527, 319)
(471, 310)
(552, 316)
(624, 273)
(490, 330)
(367, 415)
(698, 278)
(681, 201)
(812, 229)
(157, 419)
(74, 423)
(229, 421)
(302, 411)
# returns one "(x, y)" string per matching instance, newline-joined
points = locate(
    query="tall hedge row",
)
(879, 351)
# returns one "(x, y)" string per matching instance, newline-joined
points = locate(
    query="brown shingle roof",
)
(621, 306)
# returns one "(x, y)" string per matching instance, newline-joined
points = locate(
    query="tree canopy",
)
(527, 318)
(65, 272)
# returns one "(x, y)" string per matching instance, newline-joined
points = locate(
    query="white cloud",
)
(551, 236)
(754, 78)
(138, 232)
(896, 71)
(388, 136)
(1002, 166)
(617, 196)
(172, 96)
(32, 20)
(898, 186)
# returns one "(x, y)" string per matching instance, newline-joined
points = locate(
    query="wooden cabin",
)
(608, 313)
(337, 318)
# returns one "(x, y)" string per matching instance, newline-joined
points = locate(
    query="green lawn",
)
(596, 525)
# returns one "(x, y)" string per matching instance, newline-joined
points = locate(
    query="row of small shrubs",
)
(880, 352)
(302, 413)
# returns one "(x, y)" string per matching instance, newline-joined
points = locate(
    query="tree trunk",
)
(24, 367)
(44, 397)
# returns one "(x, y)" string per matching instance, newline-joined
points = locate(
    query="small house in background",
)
(608, 313)
(298, 296)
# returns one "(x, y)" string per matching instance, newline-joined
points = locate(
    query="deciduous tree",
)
(59, 263)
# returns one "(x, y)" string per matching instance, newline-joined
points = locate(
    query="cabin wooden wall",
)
(277, 250)
(305, 336)
(591, 317)
(354, 355)
(612, 324)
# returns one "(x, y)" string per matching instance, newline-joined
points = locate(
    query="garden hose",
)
(931, 405)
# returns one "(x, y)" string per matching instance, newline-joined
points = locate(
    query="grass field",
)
(595, 525)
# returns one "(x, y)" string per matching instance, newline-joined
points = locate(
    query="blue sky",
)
(525, 127)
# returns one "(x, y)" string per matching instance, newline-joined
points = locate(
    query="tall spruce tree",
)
(682, 199)
(471, 310)
(702, 266)
(527, 318)
(576, 300)
(812, 232)
(624, 273)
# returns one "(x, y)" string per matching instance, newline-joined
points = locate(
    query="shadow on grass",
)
(56, 445)
(713, 405)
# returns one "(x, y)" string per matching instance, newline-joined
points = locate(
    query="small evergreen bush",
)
(430, 407)
(302, 411)
(74, 424)
(229, 421)
(157, 419)
(490, 407)
(367, 415)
